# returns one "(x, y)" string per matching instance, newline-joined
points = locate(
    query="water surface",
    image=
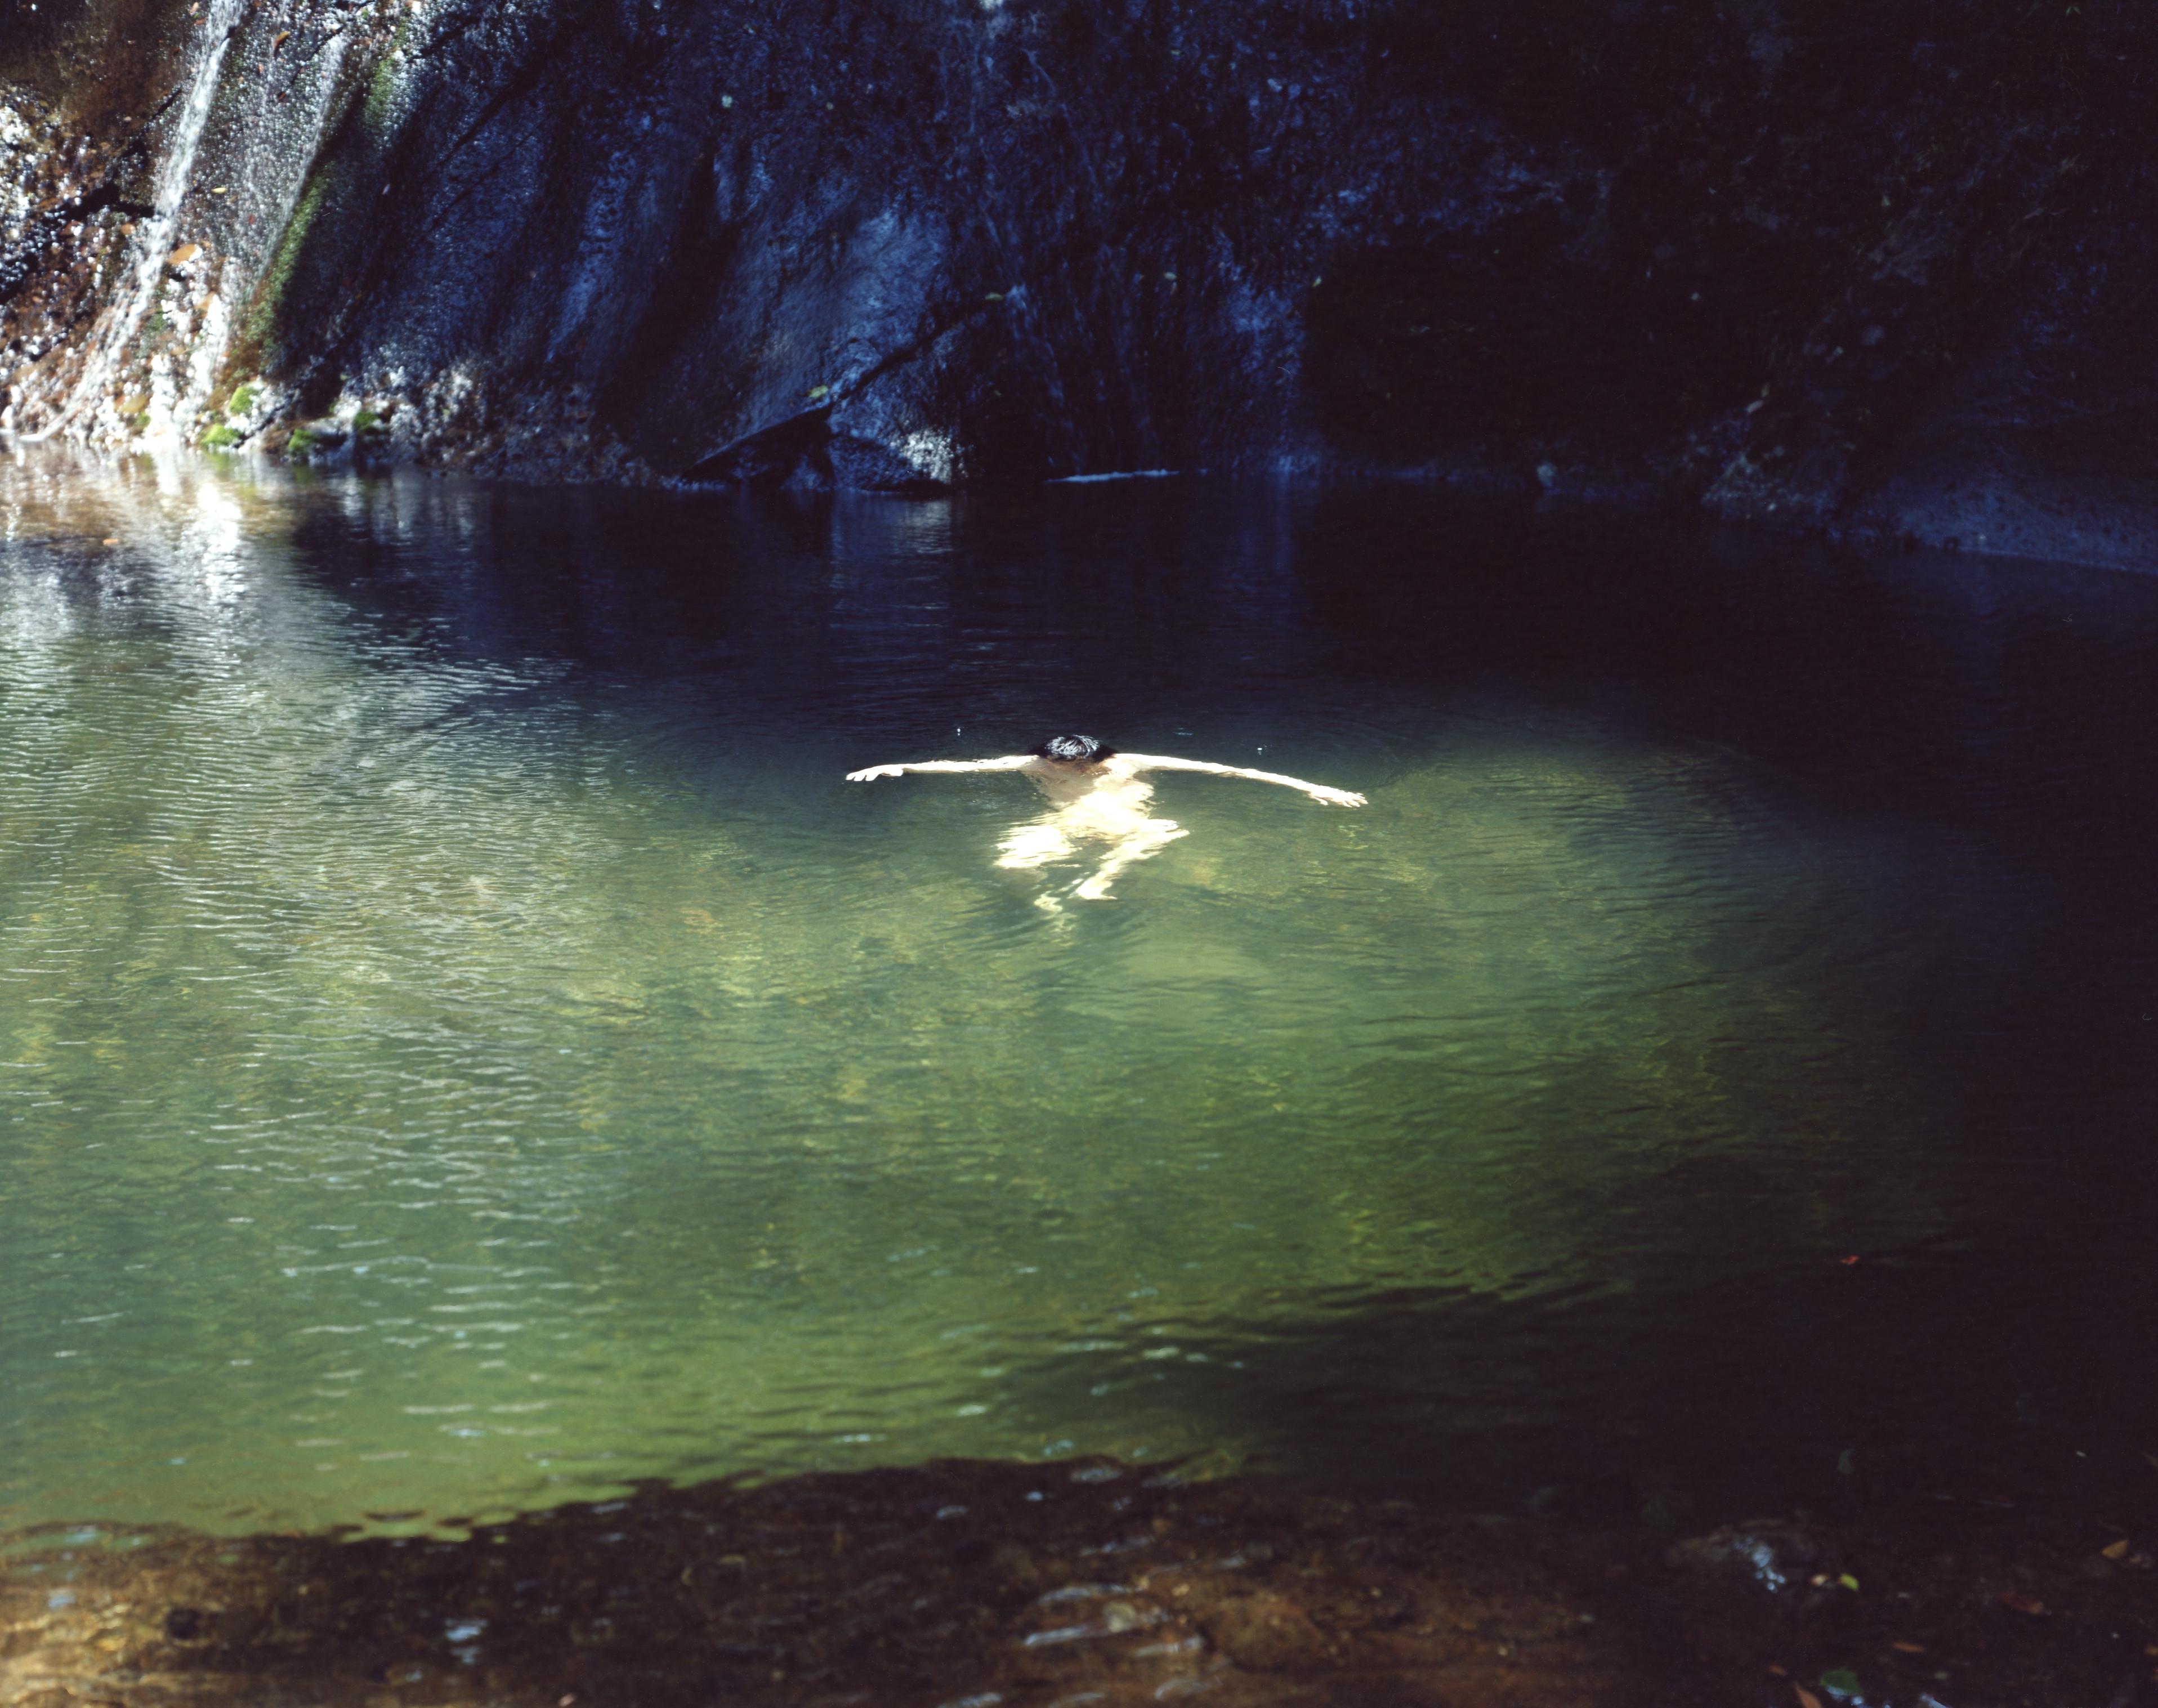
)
(463, 1048)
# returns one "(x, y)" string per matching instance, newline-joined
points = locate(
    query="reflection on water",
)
(461, 1046)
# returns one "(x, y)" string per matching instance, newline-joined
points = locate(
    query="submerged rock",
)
(978, 1582)
(1873, 269)
(1763, 1586)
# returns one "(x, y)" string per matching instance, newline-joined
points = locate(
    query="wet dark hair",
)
(1075, 749)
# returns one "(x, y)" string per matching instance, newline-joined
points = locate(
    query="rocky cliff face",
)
(1873, 266)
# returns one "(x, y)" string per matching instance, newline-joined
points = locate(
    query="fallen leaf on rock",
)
(2115, 1550)
(1806, 1698)
(114, 541)
(185, 253)
(2025, 1604)
(1908, 1647)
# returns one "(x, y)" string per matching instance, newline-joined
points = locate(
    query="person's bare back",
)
(1096, 794)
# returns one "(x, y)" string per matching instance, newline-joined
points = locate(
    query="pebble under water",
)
(463, 1049)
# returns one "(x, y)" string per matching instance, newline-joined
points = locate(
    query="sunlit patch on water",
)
(464, 1048)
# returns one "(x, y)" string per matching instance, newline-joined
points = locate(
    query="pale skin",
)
(1101, 800)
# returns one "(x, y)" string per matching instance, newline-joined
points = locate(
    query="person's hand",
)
(1336, 797)
(869, 774)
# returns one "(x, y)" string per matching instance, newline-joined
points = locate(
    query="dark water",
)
(463, 1047)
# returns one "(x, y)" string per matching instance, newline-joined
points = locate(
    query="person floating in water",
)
(1096, 795)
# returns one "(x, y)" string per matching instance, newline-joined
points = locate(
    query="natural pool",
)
(463, 1049)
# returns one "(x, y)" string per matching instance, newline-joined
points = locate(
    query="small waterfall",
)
(115, 330)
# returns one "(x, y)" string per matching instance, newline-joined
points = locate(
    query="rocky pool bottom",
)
(2023, 1578)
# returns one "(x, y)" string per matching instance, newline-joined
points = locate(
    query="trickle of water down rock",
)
(1874, 270)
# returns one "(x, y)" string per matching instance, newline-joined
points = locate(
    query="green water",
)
(463, 1047)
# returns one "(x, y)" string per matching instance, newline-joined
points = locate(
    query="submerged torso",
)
(1108, 791)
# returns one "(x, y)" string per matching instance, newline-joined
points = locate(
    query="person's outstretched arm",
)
(871, 773)
(1318, 792)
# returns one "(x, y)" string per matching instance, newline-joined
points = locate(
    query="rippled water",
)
(463, 1047)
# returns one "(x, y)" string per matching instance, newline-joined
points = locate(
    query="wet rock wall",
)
(1874, 268)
